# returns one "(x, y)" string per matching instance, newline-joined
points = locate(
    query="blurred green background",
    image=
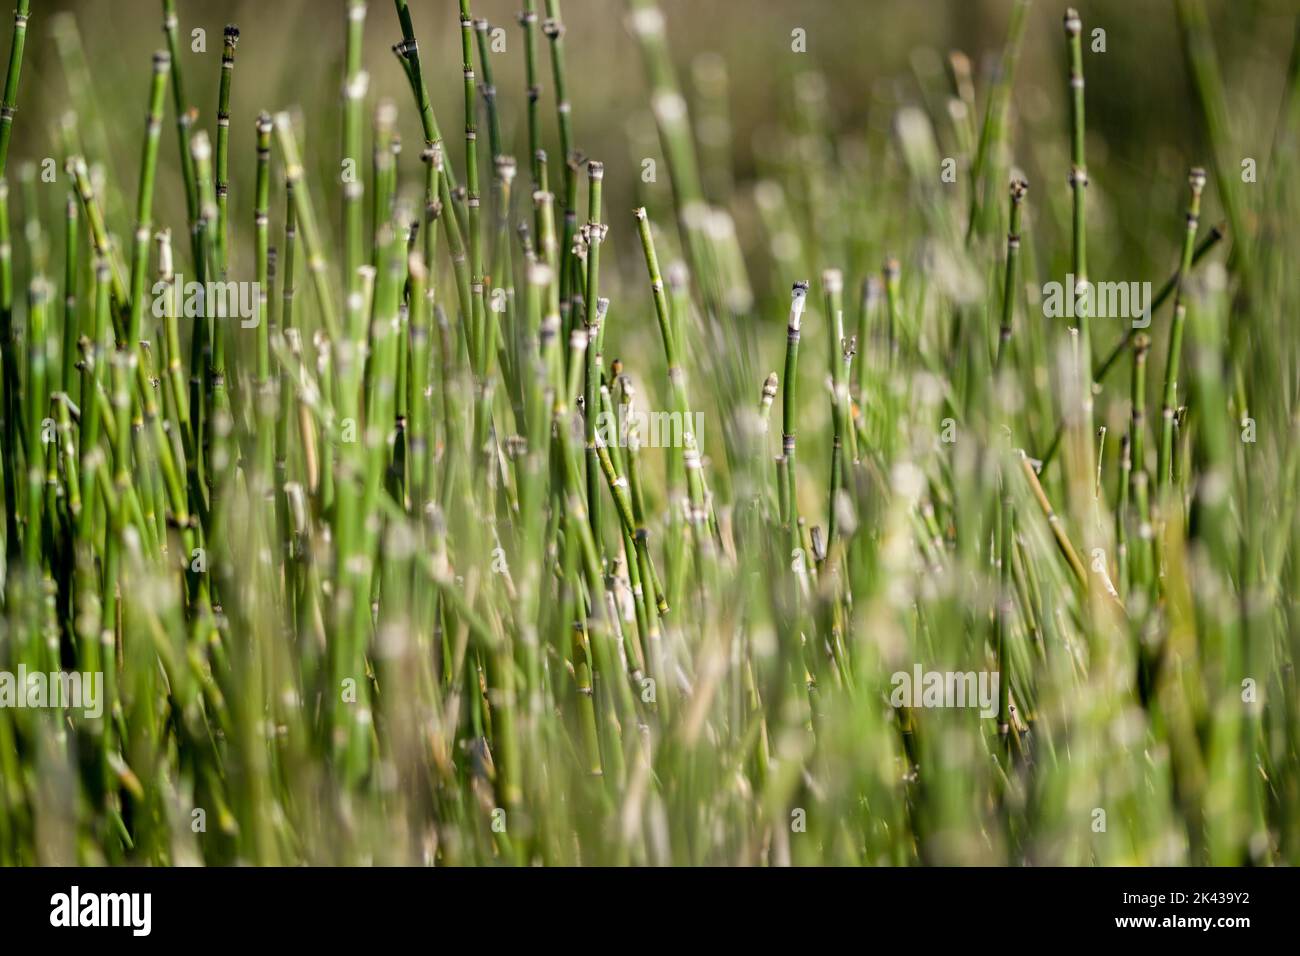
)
(874, 54)
(867, 58)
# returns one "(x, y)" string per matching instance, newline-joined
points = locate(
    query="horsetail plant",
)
(433, 563)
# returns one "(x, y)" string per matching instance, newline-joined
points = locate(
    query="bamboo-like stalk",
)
(695, 484)
(1123, 482)
(868, 318)
(408, 52)
(894, 305)
(176, 385)
(306, 223)
(221, 244)
(789, 407)
(264, 398)
(71, 280)
(533, 92)
(1009, 285)
(474, 236)
(553, 28)
(833, 288)
(419, 424)
(37, 405)
(9, 103)
(1137, 398)
(640, 574)
(217, 419)
(595, 333)
(1196, 181)
(1005, 610)
(502, 314)
(488, 88)
(1079, 188)
(355, 83)
(383, 174)
(11, 427)
(98, 229)
(181, 106)
(144, 202)
(1054, 522)
(94, 350)
(456, 251)
(288, 291)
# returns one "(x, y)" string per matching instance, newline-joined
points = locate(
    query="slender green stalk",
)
(1144, 564)
(144, 202)
(221, 243)
(71, 280)
(789, 407)
(264, 387)
(178, 396)
(419, 425)
(595, 333)
(37, 404)
(184, 119)
(306, 223)
(354, 95)
(9, 104)
(1079, 187)
(533, 91)
(11, 420)
(1138, 426)
(474, 237)
(988, 171)
(1018, 190)
(833, 287)
(1196, 180)
(690, 454)
(408, 52)
(1054, 522)
(1005, 610)
(98, 229)
(1123, 483)
(553, 28)
(487, 87)
(894, 305)
(95, 350)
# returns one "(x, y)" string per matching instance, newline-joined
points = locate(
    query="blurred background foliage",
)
(875, 56)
